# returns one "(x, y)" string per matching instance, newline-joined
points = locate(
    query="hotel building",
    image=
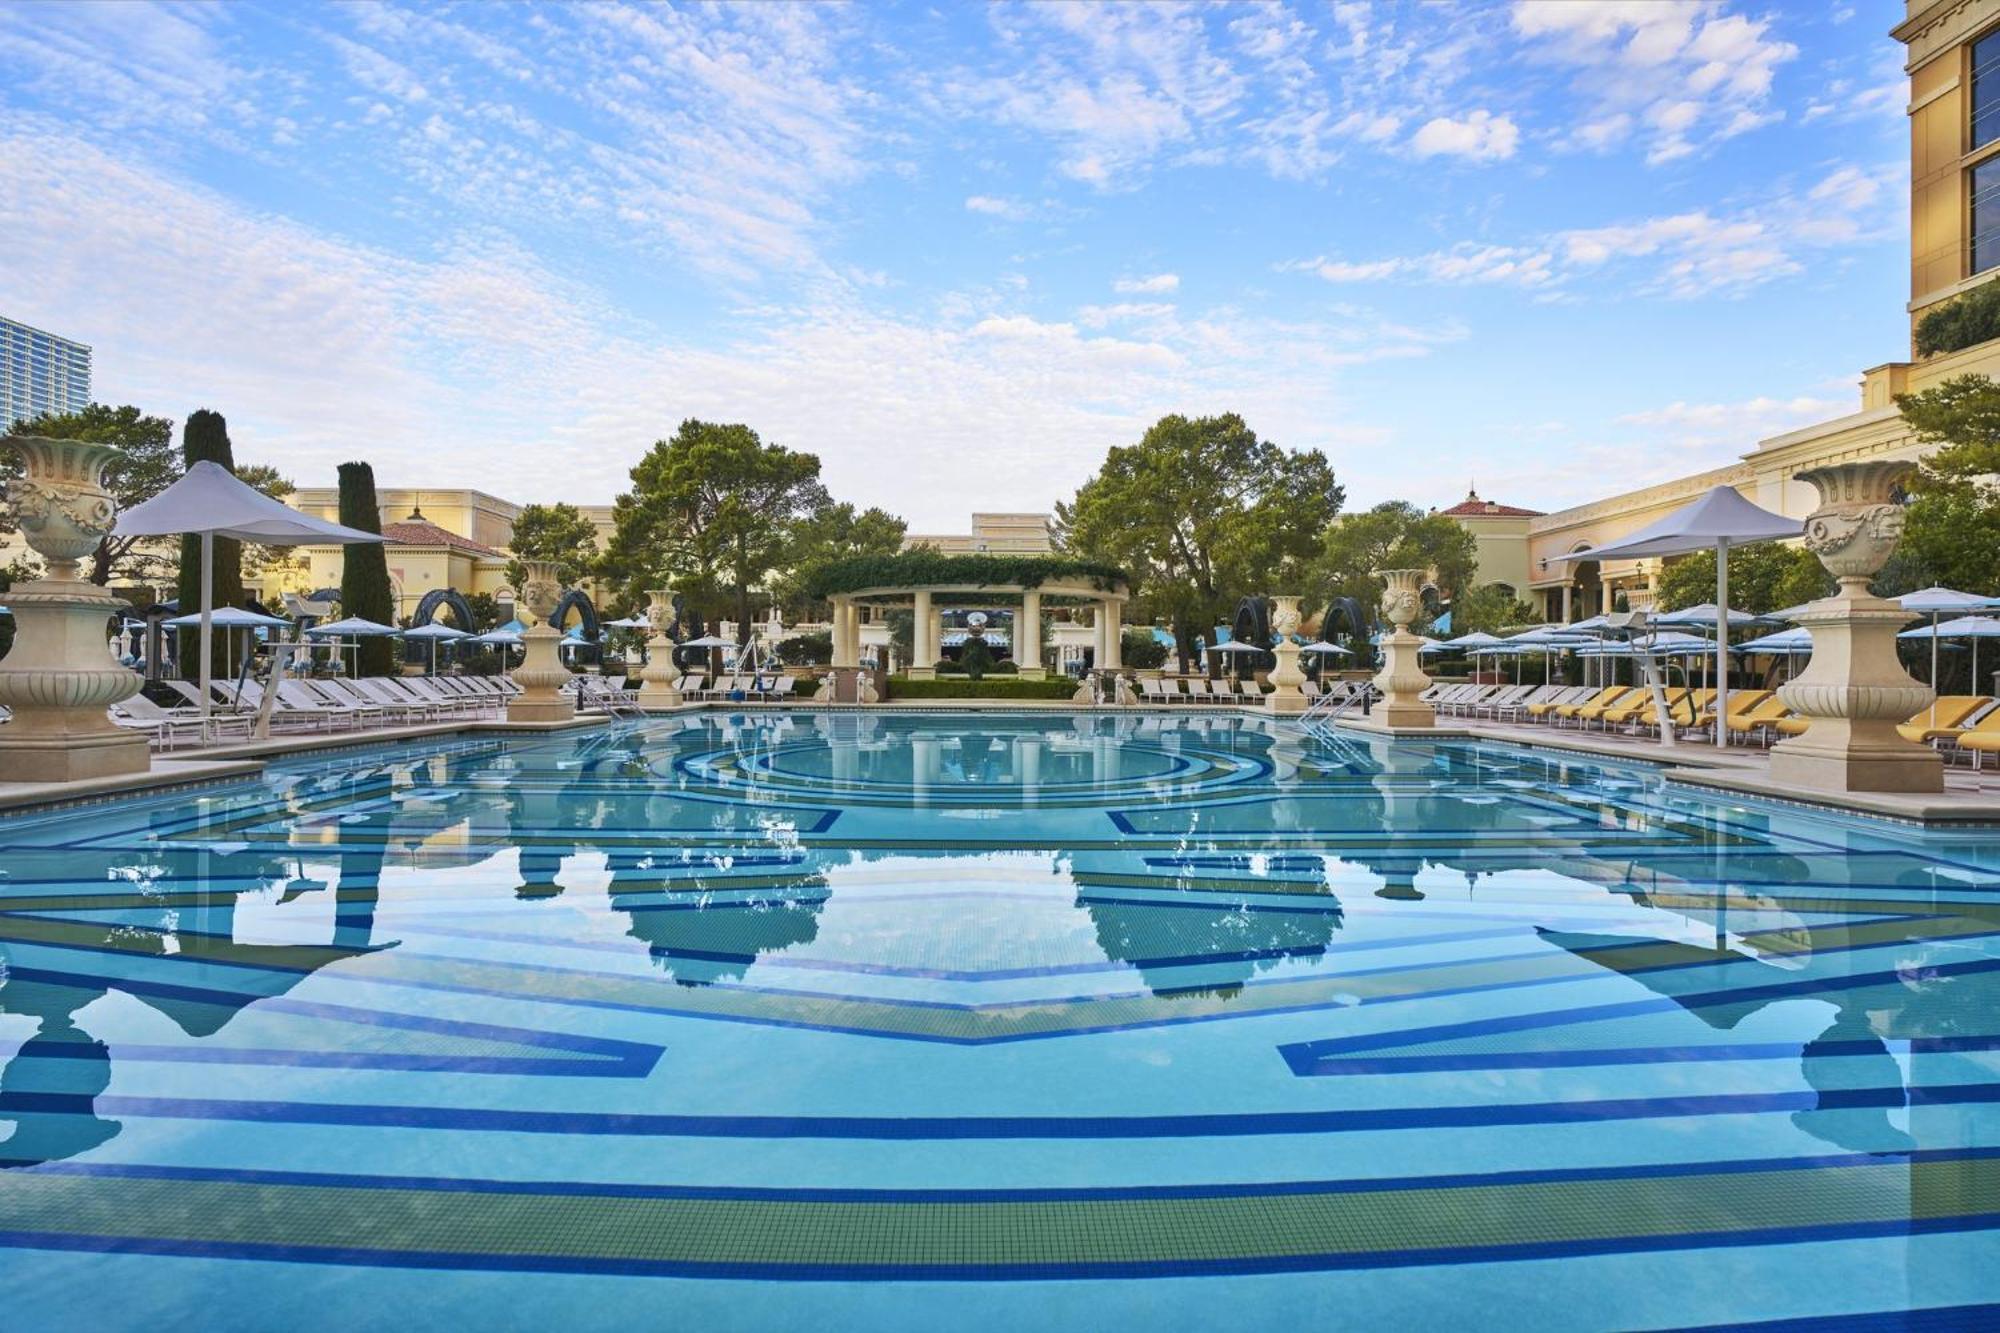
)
(40, 372)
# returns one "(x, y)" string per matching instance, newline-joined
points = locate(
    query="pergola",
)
(928, 582)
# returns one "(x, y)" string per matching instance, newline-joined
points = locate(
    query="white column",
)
(1028, 636)
(1114, 634)
(923, 639)
(1567, 589)
(844, 654)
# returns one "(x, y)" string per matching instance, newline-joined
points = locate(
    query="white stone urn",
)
(659, 685)
(1854, 690)
(59, 677)
(541, 674)
(1286, 694)
(1402, 679)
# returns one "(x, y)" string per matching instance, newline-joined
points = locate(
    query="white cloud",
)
(1149, 286)
(992, 206)
(1688, 71)
(1691, 254)
(1742, 423)
(1480, 136)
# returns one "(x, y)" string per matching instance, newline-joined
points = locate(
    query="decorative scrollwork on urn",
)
(1858, 523)
(1403, 599)
(62, 505)
(1285, 616)
(541, 587)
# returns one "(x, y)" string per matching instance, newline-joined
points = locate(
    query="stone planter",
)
(541, 674)
(1286, 696)
(1402, 677)
(1855, 691)
(659, 685)
(59, 676)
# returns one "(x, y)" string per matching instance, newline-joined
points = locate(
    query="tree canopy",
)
(1488, 609)
(835, 534)
(557, 532)
(146, 465)
(927, 567)
(1951, 528)
(1766, 576)
(713, 512)
(1202, 513)
(1393, 535)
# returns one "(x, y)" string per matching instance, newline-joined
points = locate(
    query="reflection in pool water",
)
(889, 1020)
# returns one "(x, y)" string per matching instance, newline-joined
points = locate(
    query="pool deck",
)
(1969, 800)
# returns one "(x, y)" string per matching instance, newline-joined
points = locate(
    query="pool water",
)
(909, 1021)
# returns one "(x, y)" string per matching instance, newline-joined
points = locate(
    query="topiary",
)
(1006, 666)
(976, 658)
(365, 589)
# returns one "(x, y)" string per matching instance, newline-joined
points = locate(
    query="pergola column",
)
(1566, 616)
(924, 646)
(1111, 633)
(1028, 636)
(845, 655)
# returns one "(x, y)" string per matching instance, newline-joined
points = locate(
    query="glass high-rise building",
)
(40, 372)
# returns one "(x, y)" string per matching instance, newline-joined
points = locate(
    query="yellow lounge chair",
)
(1740, 703)
(1982, 737)
(1689, 711)
(1944, 718)
(1597, 703)
(1768, 713)
(1634, 709)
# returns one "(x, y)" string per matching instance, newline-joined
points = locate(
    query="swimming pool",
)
(897, 1020)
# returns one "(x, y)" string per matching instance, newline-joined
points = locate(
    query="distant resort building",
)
(992, 534)
(40, 372)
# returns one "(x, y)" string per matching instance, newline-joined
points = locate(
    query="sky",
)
(1556, 249)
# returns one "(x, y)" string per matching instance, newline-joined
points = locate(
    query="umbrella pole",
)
(1934, 667)
(207, 619)
(1722, 642)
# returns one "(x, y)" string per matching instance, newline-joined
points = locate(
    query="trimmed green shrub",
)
(1006, 666)
(1972, 319)
(902, 687)
(1142, 651)
(365, 590)
(807, 650)
(976, 658)
(945, 666)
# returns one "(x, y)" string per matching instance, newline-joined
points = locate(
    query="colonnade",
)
(1107, 623)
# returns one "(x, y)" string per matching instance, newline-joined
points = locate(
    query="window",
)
(1986, 89)
(1985, 215)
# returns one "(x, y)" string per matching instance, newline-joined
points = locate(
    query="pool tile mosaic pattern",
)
(909, 1021)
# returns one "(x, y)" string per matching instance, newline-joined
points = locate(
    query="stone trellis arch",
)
(452, 600)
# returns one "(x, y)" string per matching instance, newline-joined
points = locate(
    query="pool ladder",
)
(1322, 719)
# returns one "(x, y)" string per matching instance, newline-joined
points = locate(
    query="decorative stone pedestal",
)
(1402, 678)
(659, 682)
(59, 676)
(1286, 695)
(1855, 691)
(541, 674)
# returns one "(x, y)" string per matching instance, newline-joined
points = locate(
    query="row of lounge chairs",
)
(1197, 690)
(1963, 724)
(337, 704)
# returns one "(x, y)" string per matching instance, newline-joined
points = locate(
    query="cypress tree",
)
(205, 437)
(364, 571)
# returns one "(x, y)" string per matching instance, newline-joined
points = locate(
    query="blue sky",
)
(957, 251)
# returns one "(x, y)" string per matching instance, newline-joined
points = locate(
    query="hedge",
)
(922, 568)
(958, 687)
(1969, 320)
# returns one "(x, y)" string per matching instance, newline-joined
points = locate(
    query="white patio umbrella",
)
(1476, 639)
(353, 628)
(1934, 602)
(209, 500)
(1974, 628)
(1717, 521)
(437, 634)
(1326, 649)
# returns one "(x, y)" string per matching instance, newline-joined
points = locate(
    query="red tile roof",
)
(1474, 507)
(430, 534)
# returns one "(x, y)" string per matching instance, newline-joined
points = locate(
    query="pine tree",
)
(205, 437)
(365, 590)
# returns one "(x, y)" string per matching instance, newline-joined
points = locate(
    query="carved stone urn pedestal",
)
(1286, 696)
(1402, 677)
(659, 683)
(1855, 691)
(541, 674)
(59, 677)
